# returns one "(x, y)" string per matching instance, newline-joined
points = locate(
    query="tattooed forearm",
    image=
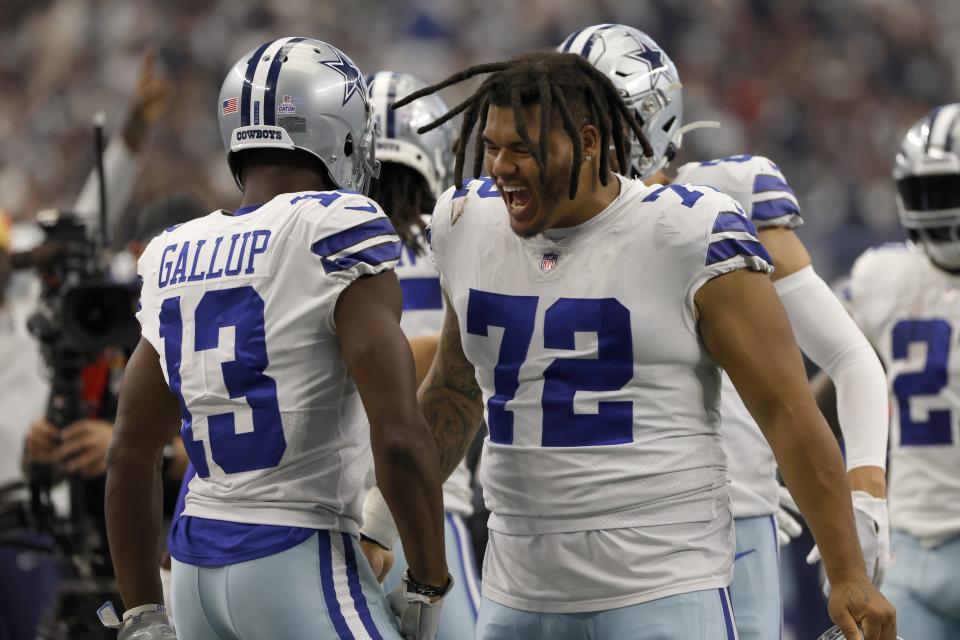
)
(450, 398)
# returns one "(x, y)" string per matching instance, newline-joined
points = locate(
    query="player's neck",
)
(263, 183)
(591, 201)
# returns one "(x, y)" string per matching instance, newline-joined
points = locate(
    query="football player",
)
(263, 330)
(414, 170)
(648, 79)
(905, 297)
(586, 316)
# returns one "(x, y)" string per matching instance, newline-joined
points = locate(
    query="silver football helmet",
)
(648, 82)
(429, 154)
(300, 93)
(927, 172)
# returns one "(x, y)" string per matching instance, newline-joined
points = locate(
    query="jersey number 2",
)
(609, 371)
(935, 334)
(242, 309)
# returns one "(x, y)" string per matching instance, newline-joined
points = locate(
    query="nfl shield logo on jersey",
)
(549, 262)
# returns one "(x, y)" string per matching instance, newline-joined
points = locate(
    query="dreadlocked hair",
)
(405, 197)
(563, 84)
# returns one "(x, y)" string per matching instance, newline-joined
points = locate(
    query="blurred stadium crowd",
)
(823, 88)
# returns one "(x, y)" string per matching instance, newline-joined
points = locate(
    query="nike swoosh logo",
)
(371, 208)
(742, 553)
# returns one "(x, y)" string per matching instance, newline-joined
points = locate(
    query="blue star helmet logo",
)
(651, 56)
(352, 78)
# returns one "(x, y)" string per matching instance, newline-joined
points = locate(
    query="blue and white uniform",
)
(241, 310)
(759, 186)
(423, 316)
(604, 468)
(910, 311)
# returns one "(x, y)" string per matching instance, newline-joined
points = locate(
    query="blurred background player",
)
(585, 313)
(648, 79)
(905, 298)
(270, 319)
(414, 170)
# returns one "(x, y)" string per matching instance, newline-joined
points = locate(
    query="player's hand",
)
(418, 613)
(788, 527)
(854, 604)
(873, 531)
(149, 101)
(380, 558)
(84, 447)
(41, 444)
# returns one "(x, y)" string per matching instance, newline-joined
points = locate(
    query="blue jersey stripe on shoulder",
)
(325, 560)
(730, 221)
(765, 182)
(337, 242)
(770, 209)
(373, 256)
(356, 592)
(421, 294)
(722, 250)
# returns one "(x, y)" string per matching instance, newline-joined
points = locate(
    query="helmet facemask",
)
(929, 207)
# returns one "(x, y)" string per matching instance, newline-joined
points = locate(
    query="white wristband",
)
(378, 522)
(108, 615)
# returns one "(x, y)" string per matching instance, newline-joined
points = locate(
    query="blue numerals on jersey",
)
(609, 371)
(738, 159)
(486, 188)
(243, 309)
(936, 335)
(516, 314)
(688, 197)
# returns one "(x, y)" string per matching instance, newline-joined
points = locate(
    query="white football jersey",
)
(909, 310)
(757, 184)
(602, 405)
(423, 316)
(241, 310)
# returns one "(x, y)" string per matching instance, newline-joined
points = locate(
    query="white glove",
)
(788, 527)
(419, 617)
(147, 622)
(873, 530)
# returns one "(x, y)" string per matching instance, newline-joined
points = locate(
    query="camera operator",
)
(81, 447)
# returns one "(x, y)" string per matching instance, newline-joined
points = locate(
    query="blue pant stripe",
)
(727, 615)
(329, 592)
(356, 591)
(462, 554)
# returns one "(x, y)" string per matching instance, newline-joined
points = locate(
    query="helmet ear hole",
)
(348, 145)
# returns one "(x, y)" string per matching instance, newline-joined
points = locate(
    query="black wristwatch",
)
(426, 590)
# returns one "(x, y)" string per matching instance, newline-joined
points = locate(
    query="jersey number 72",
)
(609, 371)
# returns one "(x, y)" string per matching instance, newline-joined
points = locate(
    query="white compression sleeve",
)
(828, 335)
